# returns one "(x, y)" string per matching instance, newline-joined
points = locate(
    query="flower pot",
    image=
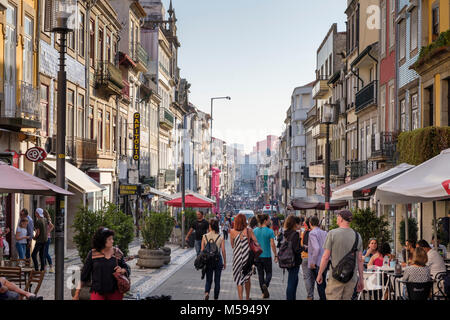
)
(167, 252)
(150, 258)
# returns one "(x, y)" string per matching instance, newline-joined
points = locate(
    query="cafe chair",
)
(442, 291)
(36, 277)
(12, 274)
(418, 290)
(19, 263)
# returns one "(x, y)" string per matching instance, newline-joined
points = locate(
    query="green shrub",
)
(368, 225)
(427, 51)
(154, 230)
(87, 222)
(418, 146)
(412, 231)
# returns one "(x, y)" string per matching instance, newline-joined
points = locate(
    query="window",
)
(10, 71)
(108, 48)
(108, 131)
(81, 31)
(70, 110)
(383, 29)
(28, 51)
(383, 109)
(391, 23)
(100, 40)
(403, 115)
(414, 29)
(80, 116)
(100, 129)
(92, 42)
(435, 22)
(114, 133)
(391, 108)
(45, 110)
(415, 112)
(402, 40)
(91, 123)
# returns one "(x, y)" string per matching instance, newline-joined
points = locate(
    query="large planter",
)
(167, 252)
(150, 258)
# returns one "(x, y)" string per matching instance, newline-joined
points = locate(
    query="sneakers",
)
(265, 292)
(51, 270)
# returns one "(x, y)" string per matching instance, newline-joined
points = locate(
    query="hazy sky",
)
(257, 52)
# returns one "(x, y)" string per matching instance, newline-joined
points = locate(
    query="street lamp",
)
(327, 118)
(210, 145)
(59, 19)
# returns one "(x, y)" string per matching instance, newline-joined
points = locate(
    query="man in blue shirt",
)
(265, 237)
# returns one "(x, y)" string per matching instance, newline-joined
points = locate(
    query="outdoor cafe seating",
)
(25, 275)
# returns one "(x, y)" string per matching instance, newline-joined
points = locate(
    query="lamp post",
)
(210, 144)
(59, 20)
(327, 118)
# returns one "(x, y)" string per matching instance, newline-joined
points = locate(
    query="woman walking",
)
(216, 269)
(50, 227)
(291, 235)
(226, 228)
(242, 266)
(100, 265)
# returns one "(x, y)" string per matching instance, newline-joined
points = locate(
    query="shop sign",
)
(36, 154)
(128, 190)
(136, 135)
(446, 185)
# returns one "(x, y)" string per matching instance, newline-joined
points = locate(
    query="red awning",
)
(190, 202)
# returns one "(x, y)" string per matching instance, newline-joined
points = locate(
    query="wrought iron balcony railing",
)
(367, 96)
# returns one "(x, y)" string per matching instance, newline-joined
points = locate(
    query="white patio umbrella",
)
(429, 181)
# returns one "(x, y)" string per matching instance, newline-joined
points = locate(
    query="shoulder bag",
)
(344, 270)
(123, 283)
(254, 246)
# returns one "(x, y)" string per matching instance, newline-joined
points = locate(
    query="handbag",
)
(123, 283)
(254, 247)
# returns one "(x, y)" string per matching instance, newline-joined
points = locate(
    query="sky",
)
(256, 52)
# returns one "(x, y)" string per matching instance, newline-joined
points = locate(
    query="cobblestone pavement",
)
(143, 281)
(186, 284)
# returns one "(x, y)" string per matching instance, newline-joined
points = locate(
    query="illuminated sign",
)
(126, 190)
(136, 135)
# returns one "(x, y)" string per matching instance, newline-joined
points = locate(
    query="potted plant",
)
(154, 236)
(169, 224)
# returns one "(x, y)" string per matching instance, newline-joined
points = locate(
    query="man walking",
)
(200, 226)
(308, 276)
(41, 239)
(265, 237)
(316, 242)
(339, 242)
(30, 228)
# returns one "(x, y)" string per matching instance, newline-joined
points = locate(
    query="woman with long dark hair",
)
(291, 226)
(215, 269)
(100, 265)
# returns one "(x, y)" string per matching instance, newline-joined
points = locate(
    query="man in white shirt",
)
(441, 248)
(435, 261)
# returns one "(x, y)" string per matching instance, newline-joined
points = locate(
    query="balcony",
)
(126, 91)
(321, 88)
(300, 115)
(298, 141)
(24, 115)
(317, 169)
(108, 78)
(166, 119)
(383, 146)
(140, 57)
(356, 169)
(366, 97)
(319, 131)
(82, 151)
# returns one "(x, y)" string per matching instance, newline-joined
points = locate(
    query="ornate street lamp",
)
(59, 18)
(327, 117)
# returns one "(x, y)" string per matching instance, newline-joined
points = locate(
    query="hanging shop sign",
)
(136, 135)
(36, 154)
(128, 189)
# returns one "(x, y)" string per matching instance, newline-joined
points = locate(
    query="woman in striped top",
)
(239, 239)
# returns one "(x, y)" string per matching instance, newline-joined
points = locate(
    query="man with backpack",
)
(344, 246)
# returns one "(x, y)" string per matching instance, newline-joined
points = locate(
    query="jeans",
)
(217, 273)
(264, 266)
(321, 287)
(39, 247)
(46, 255)
(27, 251)
(198, 246)
(308, 277)
(291, 290)
(225, 234)
(9, 295)
(21, 248)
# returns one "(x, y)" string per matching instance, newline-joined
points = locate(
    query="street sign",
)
(128, 190)
(136, 135)
(36, 154)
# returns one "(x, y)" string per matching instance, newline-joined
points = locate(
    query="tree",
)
(412, 231)
(368, 225)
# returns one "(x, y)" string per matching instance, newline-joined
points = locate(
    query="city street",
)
(186, 284)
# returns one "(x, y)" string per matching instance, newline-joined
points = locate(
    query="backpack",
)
(212, 252)
(343, 271)
(286, 257)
